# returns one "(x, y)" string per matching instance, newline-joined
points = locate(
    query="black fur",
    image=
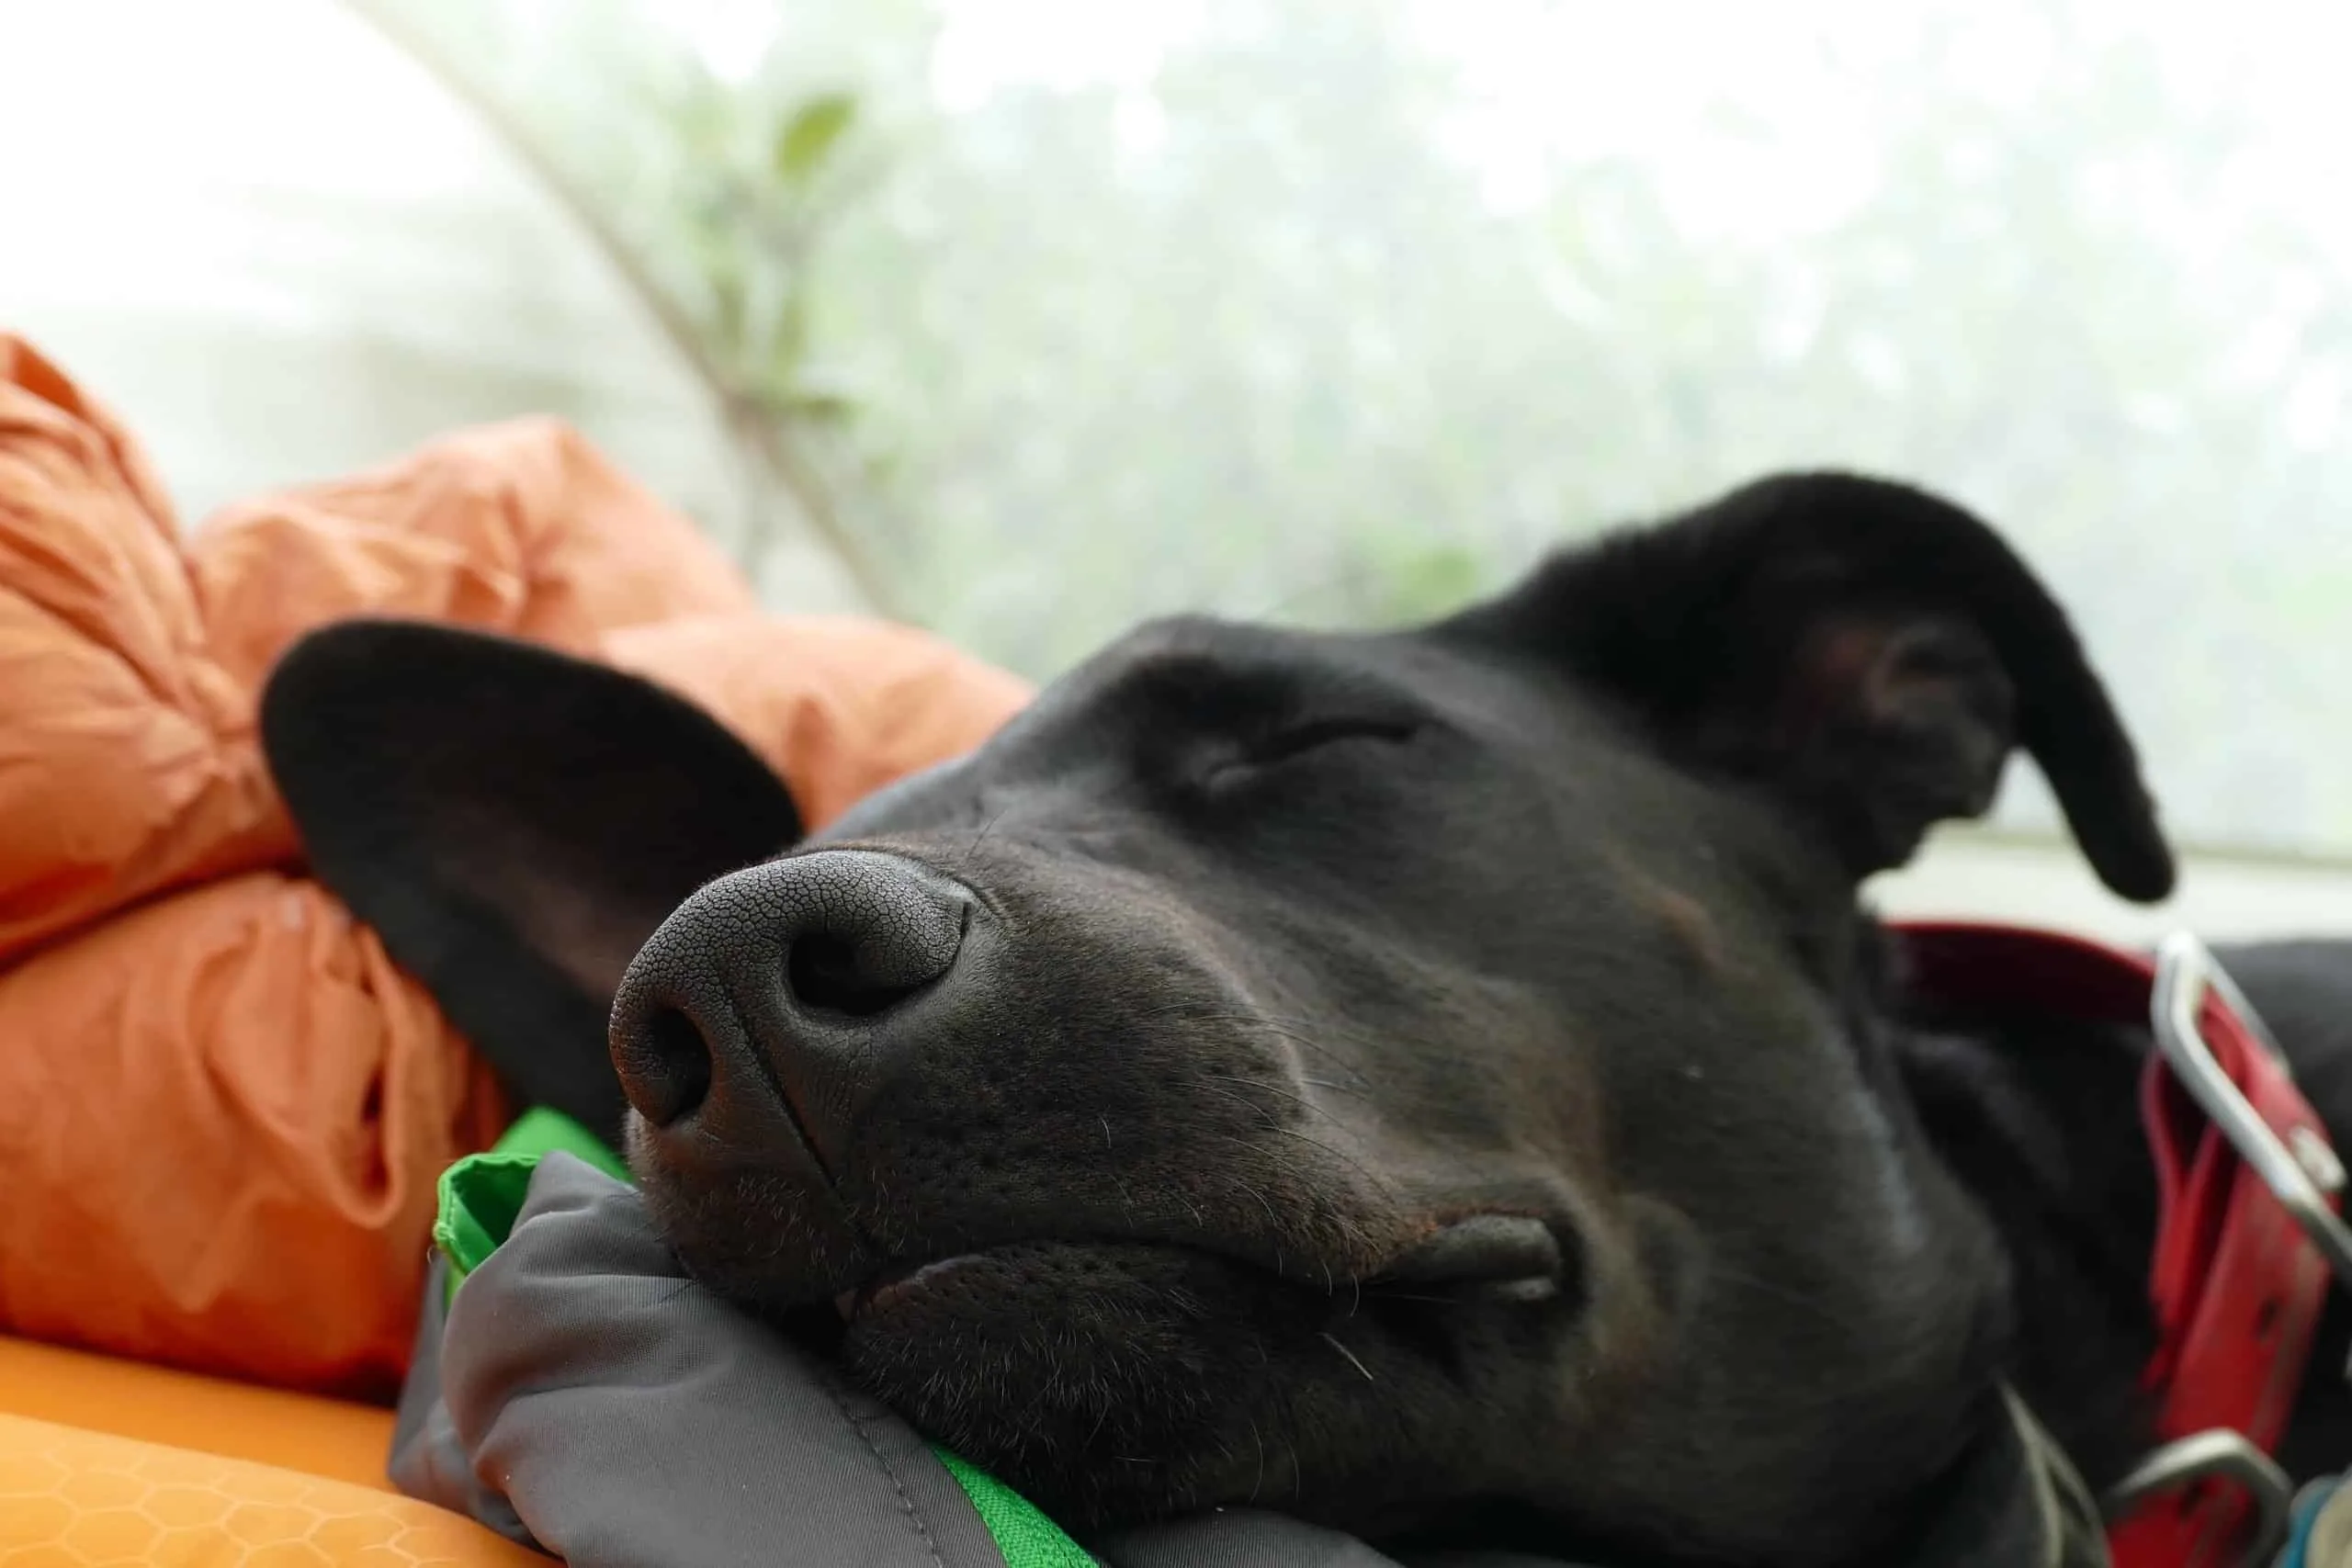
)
(1440, 1083)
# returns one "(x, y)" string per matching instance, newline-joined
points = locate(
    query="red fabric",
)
(2236, 1286)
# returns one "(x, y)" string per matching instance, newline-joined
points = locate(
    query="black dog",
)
(1438, 1083)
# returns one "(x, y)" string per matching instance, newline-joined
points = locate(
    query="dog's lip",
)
(893, 1283)
(1505, 1255)
(896, 1282)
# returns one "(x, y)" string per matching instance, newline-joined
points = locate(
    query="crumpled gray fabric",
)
(580, 1394)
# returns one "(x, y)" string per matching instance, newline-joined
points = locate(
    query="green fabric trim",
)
(540, 1130)
(480, 1196)
(1025, 1537)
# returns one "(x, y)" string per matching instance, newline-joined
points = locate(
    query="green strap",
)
(481, 1194)
(1026, 1537)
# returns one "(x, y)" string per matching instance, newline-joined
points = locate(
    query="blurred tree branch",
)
(750, 359)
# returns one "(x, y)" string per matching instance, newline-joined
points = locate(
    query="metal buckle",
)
(2217, 1455)
(2302, 1172)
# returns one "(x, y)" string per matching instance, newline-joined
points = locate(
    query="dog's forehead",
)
(1195, 679)
(1203, 673)
(1195, 661)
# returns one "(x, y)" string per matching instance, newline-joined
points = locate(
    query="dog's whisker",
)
(1272, 1217)
(1302, 1175)
(1276, 1024)
(1378, 1182)
(1276, 1090)
(1273, 1024)
(980, 838)
(1303, 1101)
(1326, 1052)
(1762, 1286)
(1333, 1084)
(1295, 1031)
(1360, 1092)
(1349, 1356)
(1369, 1174)
(1244, 1100)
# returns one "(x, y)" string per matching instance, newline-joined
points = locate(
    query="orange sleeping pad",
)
(109, 1461)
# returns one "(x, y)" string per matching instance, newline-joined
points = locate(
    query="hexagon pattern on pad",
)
(71, 1498)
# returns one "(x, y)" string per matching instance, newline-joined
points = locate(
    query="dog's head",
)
(1384, 1076)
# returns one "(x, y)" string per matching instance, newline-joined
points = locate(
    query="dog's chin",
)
(1108, 1382)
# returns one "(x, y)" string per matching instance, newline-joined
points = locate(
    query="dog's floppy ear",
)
(1868, 651)
(513, 823)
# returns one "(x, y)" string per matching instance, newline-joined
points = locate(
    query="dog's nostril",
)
(825, 973)
(668, 1067)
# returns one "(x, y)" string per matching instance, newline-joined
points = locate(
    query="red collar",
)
(2237, 1282)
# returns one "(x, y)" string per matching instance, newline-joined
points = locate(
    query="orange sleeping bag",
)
(222, 1110)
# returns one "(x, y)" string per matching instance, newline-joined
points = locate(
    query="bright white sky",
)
(1581, 78)
(240, 97)
(1545, 78)
(225, 105)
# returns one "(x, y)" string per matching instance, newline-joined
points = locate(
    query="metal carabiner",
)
(2303, 1173)
(2218, 1455)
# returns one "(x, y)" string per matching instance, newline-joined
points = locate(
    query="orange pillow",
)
(222, 1109)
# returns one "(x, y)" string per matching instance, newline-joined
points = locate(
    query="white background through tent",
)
(280, 251)
(272, 244)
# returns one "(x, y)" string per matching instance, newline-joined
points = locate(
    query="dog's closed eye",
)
(1281, 748)
(1314, 735)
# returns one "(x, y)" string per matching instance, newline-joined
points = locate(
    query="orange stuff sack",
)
(222, 1109)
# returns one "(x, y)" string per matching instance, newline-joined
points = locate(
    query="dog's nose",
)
(782, 982)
